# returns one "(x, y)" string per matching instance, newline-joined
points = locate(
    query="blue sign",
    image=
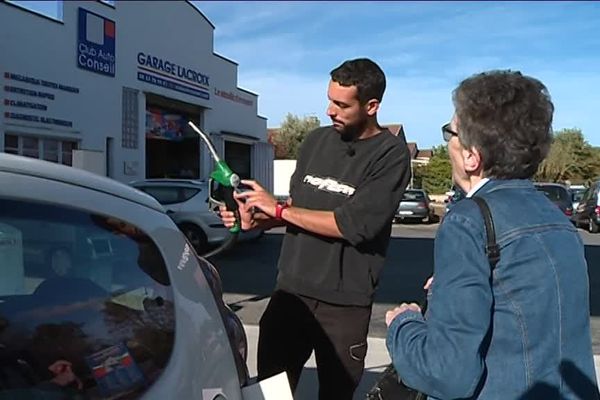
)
(96, 43)
(169, 84)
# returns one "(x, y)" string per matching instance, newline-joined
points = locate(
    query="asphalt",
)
(377, 359)
(256, 272)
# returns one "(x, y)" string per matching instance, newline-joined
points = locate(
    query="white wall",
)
(282, 172)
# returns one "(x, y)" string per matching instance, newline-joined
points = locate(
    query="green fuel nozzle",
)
(225, 177)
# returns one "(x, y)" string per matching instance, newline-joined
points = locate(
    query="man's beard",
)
(351, 132)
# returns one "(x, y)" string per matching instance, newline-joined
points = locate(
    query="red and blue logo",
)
(96, 43)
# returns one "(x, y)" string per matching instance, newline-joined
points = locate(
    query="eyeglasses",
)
(448, 133)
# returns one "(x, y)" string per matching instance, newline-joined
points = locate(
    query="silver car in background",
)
(186, 202)
(415, 206)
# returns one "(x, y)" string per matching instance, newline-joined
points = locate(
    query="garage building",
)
(109, 87)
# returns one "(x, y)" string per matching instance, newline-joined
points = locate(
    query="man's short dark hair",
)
(363, 73)
(507, 117)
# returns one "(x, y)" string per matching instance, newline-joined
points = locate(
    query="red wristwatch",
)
(279, 210)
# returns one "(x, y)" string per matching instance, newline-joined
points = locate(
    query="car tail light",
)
(421, 205)
(568, 212)
(597, 211)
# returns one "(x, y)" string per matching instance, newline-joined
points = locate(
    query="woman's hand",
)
(391, 314)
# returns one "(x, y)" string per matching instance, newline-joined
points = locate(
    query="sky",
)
(286, 50)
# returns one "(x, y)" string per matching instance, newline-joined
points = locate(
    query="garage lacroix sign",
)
(96, 43)
(168, 74)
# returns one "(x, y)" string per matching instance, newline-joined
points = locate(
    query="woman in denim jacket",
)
(521, 331)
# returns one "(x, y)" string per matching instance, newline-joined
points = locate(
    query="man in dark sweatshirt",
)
(349, 179)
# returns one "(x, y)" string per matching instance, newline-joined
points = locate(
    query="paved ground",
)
(249, 272)
(377, 359)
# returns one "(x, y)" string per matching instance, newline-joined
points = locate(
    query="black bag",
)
(389, 386)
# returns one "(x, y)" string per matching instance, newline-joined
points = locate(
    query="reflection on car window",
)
(86, 307)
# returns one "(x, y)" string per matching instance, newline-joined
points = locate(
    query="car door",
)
(587, 205)
(124, 338)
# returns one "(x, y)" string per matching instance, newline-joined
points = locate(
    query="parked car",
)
(186, 202)
(415, 206)
(558, 194)
(587, 213)
(455, 194)
(577, 192)
(127, 309)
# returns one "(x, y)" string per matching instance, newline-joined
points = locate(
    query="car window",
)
(163, 194)
(86, 305)
(578, 194)
(413, 195)
(587, 194)
(554, 193)
(188, 193)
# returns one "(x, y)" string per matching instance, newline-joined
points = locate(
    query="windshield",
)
(554, 193)
(413, 195)
(578, 195)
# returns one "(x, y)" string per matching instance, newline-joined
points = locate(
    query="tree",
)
(291, 134)
(436, 176)
(570, 158)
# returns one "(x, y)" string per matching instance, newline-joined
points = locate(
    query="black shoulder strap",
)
(491, 248)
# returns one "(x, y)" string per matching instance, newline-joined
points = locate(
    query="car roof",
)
(169, 182)
(61, 173)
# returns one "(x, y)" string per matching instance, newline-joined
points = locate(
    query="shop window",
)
(11, 144)
(48, 8)
(67, 152)
(50, 150)
(86, 305)
(31, 147)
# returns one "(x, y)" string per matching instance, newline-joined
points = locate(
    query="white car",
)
(102, 296)
(186, 202)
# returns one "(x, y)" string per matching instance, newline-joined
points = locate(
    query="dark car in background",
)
(558, 194)
(587, 213)
(415, 206)
(577, 192)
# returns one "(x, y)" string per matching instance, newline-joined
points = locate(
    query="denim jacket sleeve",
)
(441, 356)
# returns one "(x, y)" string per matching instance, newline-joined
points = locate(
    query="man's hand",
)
(228, 217)
(258, 197)
(391, 314)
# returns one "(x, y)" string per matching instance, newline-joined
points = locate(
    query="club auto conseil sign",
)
(96, 43)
